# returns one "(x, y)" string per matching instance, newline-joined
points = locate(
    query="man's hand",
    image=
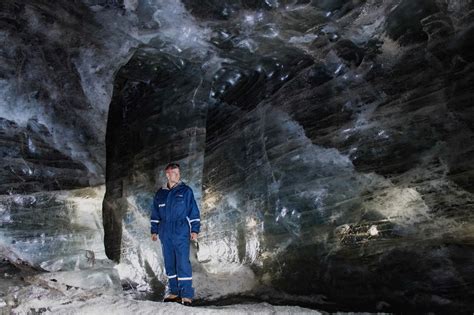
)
(154, 237)
(194, 236)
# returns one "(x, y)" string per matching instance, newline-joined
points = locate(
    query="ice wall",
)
(330, 143)
(56, 74)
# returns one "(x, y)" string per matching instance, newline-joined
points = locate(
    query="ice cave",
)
(329, 145)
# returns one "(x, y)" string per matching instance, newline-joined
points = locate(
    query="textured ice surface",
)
(323, 139)
(123, 305)
(60, 230)
(329, 143)
(56, 76)
(99, 291)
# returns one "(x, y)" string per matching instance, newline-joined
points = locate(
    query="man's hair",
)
(172, 166)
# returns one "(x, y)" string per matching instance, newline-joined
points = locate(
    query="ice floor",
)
(98, 291)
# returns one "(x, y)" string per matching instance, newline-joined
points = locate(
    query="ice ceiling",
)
(330, 144)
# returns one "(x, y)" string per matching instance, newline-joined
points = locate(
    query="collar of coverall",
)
(165, 186)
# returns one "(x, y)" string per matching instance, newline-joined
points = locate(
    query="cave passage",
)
(329, 144)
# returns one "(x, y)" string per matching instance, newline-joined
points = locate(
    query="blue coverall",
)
(174, 216)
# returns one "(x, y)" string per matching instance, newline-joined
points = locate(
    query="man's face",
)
(173, 175)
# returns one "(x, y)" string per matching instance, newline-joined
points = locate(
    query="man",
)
(175, 219)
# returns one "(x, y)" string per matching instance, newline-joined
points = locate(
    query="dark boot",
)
(172, 298)
(186, 302)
